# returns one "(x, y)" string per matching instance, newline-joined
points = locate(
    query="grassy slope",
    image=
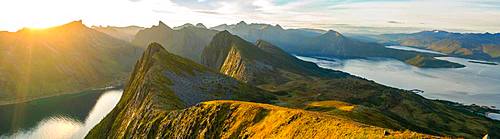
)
(237, 119)
(151, 92)
(149, 108)
(64, 59)
(382, 106)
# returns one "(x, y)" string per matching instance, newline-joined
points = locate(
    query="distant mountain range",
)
(123, 33)
(187, 41)
(189, 25)
(482, 46)
(70, 58)
(309, 42)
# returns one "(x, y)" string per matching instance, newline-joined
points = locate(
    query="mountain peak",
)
(78, 24)
(75, 23)
(154, 47)
(200, 25)
(242, 23)
(163, 25)
(188, 25)
(278, 26)
(333, 33)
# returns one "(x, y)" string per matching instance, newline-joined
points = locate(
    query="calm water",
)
(414, 49)
(62, 117)
(474, 84)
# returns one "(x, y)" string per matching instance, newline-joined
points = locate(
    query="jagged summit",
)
(163, 82)
(243, 60)
(279, 26)
(242, 23)
(163, 25)
(75, 23)
(200, 25)
(332, 33)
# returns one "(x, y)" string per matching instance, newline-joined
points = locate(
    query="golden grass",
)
(280, 122)
(333, 104)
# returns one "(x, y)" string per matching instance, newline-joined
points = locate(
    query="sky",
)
(357, 16)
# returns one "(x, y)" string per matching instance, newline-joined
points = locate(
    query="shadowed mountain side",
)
(123, 33)
(70, 58)
(187, 41)
(162, 82)
(269, 68)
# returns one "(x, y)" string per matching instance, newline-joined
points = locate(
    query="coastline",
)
(11, 102)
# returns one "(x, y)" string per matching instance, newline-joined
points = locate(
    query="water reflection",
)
(62, 126)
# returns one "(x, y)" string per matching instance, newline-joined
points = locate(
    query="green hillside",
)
(379, 105)
(169, 97)
(162, 82)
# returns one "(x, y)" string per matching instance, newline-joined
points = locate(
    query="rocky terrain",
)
(159, 102)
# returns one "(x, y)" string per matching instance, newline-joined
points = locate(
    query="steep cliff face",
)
(259, 64)
(162, 82)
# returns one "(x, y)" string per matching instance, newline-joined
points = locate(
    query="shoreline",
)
(112, 87)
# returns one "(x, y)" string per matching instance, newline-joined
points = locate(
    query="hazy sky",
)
(343, 15)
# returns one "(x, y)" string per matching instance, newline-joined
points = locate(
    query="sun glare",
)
(42, 25)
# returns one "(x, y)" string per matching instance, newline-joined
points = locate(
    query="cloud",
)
(394, 22)
(208, 12)
(471, 15)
